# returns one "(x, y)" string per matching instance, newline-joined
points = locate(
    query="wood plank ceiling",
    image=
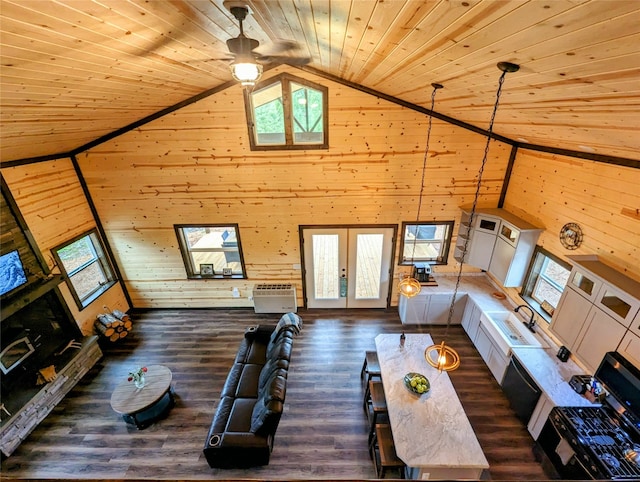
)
(75, 70)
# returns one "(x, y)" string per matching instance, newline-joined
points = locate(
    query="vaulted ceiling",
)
(76, 70)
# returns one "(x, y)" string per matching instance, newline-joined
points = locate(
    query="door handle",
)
(343, 286)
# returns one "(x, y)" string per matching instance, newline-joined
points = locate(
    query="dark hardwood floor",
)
(322, 433)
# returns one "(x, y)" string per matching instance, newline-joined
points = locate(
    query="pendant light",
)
(442, 356)
(410, 286)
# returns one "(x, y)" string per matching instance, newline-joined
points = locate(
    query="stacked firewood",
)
(113, 326)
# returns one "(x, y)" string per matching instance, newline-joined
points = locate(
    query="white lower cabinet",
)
(630, 348)
(539, 416)
(431, 308)
(491, 354)
(471, 318)
(413, 310)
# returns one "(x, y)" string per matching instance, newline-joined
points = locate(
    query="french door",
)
(347, 267)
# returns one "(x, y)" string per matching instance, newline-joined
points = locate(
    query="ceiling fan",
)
(247, 63)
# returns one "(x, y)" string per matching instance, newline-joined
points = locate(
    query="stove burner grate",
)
(602, 440)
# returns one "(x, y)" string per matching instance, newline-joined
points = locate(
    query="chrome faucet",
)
(532, 321)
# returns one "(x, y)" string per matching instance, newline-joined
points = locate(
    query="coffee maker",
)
(422, 272)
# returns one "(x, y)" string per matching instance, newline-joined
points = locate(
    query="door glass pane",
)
(326, 266)
(582, 282)
(368, 265)
(615, 304)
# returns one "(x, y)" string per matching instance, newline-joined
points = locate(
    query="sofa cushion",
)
(233, 379)
(257, 353)
(243, 350)
(249, 381)
(281, 348)
(272, 366)
(240, 415)
(221, 417)
(268, 409)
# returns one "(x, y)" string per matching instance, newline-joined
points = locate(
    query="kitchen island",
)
(432, 433)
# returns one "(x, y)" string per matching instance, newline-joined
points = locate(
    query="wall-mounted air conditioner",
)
(274, 298)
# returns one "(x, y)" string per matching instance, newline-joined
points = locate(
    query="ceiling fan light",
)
(247, 73)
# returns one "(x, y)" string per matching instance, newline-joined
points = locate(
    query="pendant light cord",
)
(424, 168)
(505, 69)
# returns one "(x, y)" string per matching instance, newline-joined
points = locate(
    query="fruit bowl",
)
(416, 383)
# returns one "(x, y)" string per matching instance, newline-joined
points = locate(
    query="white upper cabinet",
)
(596, 311)
(584, 283)
(498, 242)
(609, 289)
(618, 304)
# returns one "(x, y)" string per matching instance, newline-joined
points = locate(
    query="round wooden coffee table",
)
(143, 406)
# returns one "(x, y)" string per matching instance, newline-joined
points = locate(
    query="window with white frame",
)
(83, 261)
(545, 281)
(211, 250)
(426, 241)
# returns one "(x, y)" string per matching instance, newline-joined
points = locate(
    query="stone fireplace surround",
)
(39, 312)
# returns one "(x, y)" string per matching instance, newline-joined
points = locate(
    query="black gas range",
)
(599, 442)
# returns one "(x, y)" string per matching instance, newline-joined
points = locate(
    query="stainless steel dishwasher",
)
(521, 390)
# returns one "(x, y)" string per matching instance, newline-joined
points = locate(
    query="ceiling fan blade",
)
(283, 59)
(280, 46)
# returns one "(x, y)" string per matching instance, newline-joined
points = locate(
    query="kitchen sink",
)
(513, 330)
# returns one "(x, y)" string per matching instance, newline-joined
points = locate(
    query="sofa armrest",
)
(245, 439)
(260, 333)
(237, 449)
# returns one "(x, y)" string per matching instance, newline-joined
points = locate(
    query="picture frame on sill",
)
(206, 270)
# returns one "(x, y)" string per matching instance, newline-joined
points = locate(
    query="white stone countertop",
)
(478, 287)
(551, 374)
(430, 431)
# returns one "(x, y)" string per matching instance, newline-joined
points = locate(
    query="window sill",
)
(96, 294)
(217, 276)
(535, 306)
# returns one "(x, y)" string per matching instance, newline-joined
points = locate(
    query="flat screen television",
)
(12, 274)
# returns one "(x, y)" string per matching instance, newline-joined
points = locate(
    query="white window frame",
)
(535, 273)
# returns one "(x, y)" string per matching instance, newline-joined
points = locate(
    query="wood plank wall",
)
(602, 198)
(54, 207)
(195, 166)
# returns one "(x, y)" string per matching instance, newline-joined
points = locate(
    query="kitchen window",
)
(211, 250)
(83, 261)
(425, 242)
(545, 281)
(286, 112)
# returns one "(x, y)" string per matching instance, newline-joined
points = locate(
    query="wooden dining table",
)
(431, 432)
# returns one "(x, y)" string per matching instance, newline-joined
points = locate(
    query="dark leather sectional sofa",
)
(252, 399)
